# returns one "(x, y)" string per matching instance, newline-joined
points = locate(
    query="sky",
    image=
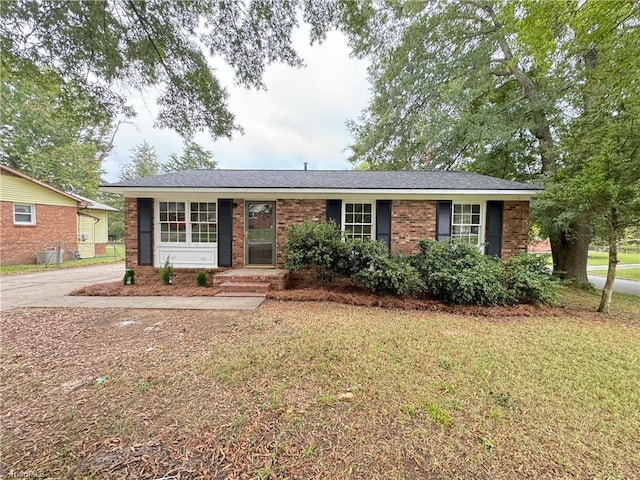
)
(300, 117)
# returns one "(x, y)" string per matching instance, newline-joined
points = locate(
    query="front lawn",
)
(323, 390)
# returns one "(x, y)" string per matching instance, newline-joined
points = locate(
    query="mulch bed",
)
(301, 289)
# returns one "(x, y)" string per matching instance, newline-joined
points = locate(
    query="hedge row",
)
(451, 273)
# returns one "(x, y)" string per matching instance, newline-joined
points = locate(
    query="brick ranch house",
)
(36, 217)
(238, 219)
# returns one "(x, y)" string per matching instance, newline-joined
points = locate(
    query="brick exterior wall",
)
(131, 233)
(411, 220)
(54, 223)
(101, 249)
(238, 233)
(291, 212)
(515, 228)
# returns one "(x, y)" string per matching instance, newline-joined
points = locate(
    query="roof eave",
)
(137, 191)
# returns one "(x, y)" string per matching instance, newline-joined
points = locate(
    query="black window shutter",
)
(225, 232)
(334, 212)
(145, 231)
(493, 230)
(383, 222)
(443, 220)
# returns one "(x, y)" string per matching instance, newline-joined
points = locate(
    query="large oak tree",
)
(492, 87)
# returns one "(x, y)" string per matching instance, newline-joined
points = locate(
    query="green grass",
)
(625, 273)
(513, 387)
(115, 253)
(602, 258)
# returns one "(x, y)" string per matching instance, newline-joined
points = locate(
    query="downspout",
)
(96, 220)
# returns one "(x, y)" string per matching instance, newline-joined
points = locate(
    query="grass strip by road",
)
(602, 258)
(113, 255)
(624, 273)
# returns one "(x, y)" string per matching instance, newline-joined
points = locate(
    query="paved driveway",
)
(620, 285)
(26, 288)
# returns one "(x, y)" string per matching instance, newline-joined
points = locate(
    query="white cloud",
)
(299, 118)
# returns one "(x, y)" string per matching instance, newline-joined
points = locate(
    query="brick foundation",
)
(101, 249)
(55, 226)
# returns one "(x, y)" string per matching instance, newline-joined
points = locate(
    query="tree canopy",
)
(51, 130)
(144, 163)
(110, 46)
(482, 85)
(193, 157)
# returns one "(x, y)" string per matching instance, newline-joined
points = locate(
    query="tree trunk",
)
(570, 253)
(605, 300)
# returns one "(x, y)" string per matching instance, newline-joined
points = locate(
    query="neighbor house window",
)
(24, 214)
(200, 226)
(203, 222)
(358, 220)
(466, 223)
(173, 225)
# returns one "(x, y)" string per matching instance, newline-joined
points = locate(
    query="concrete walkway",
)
(49, 288)
(158, 303)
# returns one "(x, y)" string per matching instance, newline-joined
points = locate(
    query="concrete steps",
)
(244, 287)
(250, 282)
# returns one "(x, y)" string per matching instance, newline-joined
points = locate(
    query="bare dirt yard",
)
(324, 390)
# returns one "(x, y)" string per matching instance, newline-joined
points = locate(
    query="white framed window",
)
(466, 223)
(204, 223)
(358, 220)
(173, 225)
(24, 214)
(200, 226)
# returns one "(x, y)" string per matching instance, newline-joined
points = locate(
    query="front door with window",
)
(260, 234)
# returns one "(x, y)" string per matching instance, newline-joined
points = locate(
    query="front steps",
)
(248, 282)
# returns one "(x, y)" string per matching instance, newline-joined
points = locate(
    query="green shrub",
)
(390, 274)
(459, 274)
(451, 273)
(129, 277)
(528, 280)
(201, 279)
(317, 247)
(358, 255)
(166, 272)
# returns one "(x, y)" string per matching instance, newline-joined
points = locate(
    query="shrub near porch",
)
(451, 273)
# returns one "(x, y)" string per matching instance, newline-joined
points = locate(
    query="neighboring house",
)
(209, 219)
(37, 217)
(93, 227)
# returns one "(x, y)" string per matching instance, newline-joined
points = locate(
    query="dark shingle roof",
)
(326, 179)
